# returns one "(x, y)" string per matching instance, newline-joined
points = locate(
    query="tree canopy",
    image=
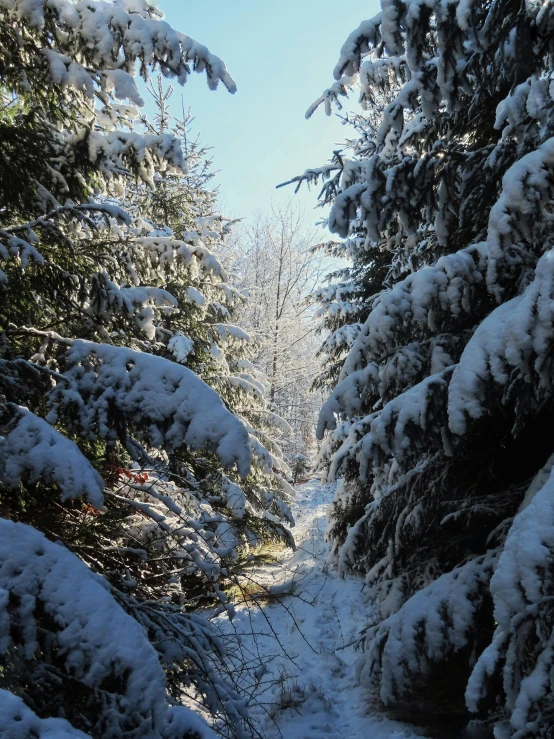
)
(136, 455)
(437, 423)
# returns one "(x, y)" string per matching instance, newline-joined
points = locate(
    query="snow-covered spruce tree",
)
(96, 403)
(439, 428)
(344, 302)
(172, 244)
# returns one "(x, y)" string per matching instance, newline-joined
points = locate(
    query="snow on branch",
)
(358, 44)
(94, 637)
(166, 403)
(399, 372)
(346, 398)
(18, 720)
(168, 251)
(143, 303)
(377, 74)
(118, 152)
(13, 247)
(112, 37)
(332, 94)
(180, 346)
(514, 341)
(434, 623)
(22, 250)
(522, 649)
(454, 283)
(228, 332)
(33, 450)
(395, 432)
(524, 204)
(266, 459)
(373, 73)
(411, 304)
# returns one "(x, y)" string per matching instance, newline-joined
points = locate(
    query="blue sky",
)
(281, 54)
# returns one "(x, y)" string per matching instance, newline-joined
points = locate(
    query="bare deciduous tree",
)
(277, 265)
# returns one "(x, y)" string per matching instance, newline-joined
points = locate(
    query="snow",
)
(515, 340)
(380, 442)
(17, 721)
(168, 250)
(124, 86)
(522, 204)
(114, 151)
(358, 42)
(521, 588)
(303, 663)
(228, 332)
(340, 88)
(346, 398)
(436, 621)
(181, 346)
(34, 450)
(236, 500)
(180, 525)
(94, 635)
(122, 30)
(67, 73)
(446, 287)
(144, 303)
(167, 403)
(19, 249)
(33, 566)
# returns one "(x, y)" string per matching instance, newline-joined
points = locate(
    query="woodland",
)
(256, 482)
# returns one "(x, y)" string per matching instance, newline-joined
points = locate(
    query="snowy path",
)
(315, 695)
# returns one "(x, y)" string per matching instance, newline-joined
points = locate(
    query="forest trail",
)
(305, 675)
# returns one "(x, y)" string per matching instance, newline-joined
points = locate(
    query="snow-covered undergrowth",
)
(301, 682)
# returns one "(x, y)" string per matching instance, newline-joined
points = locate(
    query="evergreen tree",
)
(131, 475)
(438, 427)
(173, 244)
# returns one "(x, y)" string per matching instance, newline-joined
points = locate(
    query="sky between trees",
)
(260, 136)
